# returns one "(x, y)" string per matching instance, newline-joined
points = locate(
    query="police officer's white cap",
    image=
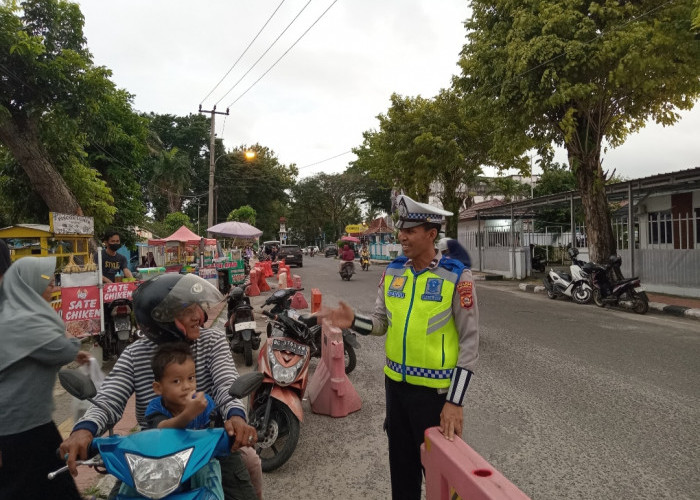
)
(413, 213)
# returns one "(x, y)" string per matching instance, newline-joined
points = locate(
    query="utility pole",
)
(212, 143)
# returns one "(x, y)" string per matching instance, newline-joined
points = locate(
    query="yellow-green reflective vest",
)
(422, 343)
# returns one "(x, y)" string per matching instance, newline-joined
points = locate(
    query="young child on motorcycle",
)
(179, 406)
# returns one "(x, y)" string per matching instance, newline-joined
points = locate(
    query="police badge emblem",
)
(433, 290)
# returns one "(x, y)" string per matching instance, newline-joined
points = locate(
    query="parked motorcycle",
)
(119, 327)
(575, 285)
(275, 409)
(610, 292)
(240, 326)
(282, 299)
(347, 269)
(364, 262)
(157, 463)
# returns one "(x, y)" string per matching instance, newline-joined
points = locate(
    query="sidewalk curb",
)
(655, 307)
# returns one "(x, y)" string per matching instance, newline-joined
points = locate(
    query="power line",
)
(264, 53)
(327, 159)
(285, 53)
(244, 52)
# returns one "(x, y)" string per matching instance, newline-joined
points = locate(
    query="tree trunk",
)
(591, 185)
(21, 137)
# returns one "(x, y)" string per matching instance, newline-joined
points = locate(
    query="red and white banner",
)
(80, 307)
(115, 291)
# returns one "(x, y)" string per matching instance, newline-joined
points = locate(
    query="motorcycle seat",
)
(308, 319)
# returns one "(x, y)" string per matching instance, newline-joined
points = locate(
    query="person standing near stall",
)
(33, 346)
(112, 261)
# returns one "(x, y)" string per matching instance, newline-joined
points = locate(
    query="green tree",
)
(429, 146)
(174, 221)
(261, 182)
(246, 214)
(49, 85)
(580, 73)
(324, 204)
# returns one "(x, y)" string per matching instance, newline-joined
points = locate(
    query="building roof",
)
(378, 226)
(481, 210)
(684, 180)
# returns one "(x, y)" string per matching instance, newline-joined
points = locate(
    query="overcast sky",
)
(329, 88)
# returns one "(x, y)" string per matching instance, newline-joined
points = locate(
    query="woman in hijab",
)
(33, 346)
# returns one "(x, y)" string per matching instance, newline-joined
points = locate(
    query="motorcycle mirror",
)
(77, 384)
(245, 384)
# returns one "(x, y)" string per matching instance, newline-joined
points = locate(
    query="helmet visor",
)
(187, 291)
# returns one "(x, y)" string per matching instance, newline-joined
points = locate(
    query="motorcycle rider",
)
(347, 255)
(169, 308)
(364, 253)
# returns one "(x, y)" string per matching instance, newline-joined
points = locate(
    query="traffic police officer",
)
(427, 307)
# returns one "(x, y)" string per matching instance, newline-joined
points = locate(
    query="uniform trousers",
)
(410, 410)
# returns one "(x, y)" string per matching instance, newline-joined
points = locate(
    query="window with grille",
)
(660, 228)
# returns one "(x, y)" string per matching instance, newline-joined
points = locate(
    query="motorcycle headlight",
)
(283, 375)
(158, 477)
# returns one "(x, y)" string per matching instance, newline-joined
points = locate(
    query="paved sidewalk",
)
(686, 307)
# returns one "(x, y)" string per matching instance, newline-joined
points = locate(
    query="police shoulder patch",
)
(466, 294)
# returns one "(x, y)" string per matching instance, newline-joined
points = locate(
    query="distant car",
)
(330, 250)
(291, 254)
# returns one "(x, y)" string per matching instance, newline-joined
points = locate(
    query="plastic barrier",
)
(299, 302)
(282, 280)
(281, 265)
(262, 283)
(296, 280)
(252, 290)
(290, 281)
(454, 470)
(330, 391)
(315, 300)
(267, 265)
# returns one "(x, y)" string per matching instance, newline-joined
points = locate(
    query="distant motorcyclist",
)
(364, 256)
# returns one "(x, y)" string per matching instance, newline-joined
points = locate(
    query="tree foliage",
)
(246, 214)
(430, 146)
(73, 143)
(579, 73)
(322, 205)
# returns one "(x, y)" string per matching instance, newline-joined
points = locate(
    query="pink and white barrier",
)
(453, 470)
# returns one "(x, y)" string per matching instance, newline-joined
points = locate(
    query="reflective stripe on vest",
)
(422, 342)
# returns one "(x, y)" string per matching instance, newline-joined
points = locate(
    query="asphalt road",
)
(568, 401)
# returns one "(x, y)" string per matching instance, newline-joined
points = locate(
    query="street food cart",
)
(184, 250)
(54, 239)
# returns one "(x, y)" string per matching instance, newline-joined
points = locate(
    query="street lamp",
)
(249, 155)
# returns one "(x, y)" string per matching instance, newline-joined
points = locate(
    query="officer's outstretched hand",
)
(451, 421)
(341, 317)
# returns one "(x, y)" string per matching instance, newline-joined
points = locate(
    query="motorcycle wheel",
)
(248, 353)
(597, 298)
(280, 438)
(350, 358)
(581, 294)
(108, 346)
(641, 302)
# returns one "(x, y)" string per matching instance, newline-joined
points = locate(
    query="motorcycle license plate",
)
(121, 324)
(245, 325)
(288, 345)
(639, 289)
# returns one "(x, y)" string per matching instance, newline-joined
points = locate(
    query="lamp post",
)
(248, 155)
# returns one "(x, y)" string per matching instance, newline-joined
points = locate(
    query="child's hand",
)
(196, 404)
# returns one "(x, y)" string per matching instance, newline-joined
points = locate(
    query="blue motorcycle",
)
(157, 463)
